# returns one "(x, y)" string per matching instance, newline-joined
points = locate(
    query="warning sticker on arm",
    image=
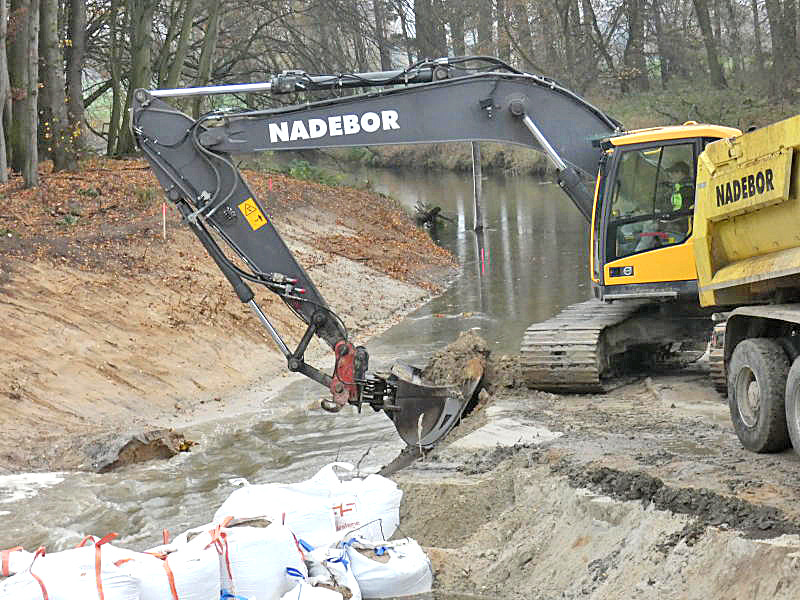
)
(252, 213)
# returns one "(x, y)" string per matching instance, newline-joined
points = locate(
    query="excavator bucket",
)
(426, 413)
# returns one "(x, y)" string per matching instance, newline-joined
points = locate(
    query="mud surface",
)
(642, 492)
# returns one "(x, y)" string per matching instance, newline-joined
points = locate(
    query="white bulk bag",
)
(306, 591)
(368, 506)
(252, 561)
(378, 501)
(20, 587)
(389, 569)
(308, 516)
(193, 573)
(76, 575)
(330, 565)
(14, 560)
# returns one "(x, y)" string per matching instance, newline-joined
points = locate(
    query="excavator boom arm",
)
(437, 102)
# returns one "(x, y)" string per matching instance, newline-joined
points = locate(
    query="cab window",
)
(652, 199)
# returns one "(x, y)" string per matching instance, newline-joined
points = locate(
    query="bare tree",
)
(704, 21)
(139, 75)
(76, 58)
(58, 139)
(5, 91)
(24, 78)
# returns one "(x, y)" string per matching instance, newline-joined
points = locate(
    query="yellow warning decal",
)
(252, 213)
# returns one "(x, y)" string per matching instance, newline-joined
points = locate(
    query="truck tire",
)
(793, 404)
(757, 376)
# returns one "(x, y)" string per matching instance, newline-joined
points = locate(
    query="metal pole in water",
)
(477, 186)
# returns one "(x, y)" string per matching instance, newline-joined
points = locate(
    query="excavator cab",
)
(642, 245)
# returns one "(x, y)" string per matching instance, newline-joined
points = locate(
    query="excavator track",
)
(569, 352)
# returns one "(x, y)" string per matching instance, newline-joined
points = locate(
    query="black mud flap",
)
(426, 413)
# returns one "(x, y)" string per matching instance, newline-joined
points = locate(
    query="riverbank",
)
(110, 328)
(643, 492)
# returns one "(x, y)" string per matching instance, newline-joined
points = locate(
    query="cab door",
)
(643, 229)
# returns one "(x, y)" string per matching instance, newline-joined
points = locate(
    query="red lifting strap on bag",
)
(5, 554)
(39, 552)
(165, 534)
(86, 540)
(98, 564)
(219, 539)
(171, 579)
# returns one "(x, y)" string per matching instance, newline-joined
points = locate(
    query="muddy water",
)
(532, 263)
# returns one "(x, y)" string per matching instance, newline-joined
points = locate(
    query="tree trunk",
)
(548, 35)
(384, 53)
(4, 90)
(207, 53)
(664, 54)
(503, 43)
(24, 76)
(633, 56)
(779, 53)
(183, 45)
(704, 21)
(76, 56)
(485, 38)
(55, 128)
(423, 24)
(519, 10)
(438, 30)
(116, 78)
(759, 52)
(457, 28)
(404, 28)
(141, 15)
(164, 59)
(790, 48)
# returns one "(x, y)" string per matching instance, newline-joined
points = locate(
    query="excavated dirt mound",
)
(465, 358)
(462, 360)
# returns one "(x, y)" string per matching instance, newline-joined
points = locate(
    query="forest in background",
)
(730, 61)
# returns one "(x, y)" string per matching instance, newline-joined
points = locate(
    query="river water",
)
(533, 262)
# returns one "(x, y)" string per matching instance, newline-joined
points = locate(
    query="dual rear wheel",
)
(764, 395)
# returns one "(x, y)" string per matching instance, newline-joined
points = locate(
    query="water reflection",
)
(531, 261)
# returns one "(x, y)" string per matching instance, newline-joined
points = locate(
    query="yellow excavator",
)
(684, 225)
(642, 267)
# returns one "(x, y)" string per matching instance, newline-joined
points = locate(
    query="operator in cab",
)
(675, 195)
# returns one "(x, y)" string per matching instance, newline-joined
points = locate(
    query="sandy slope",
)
(147, 332)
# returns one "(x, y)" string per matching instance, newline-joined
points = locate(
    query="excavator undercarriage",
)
(590, 347)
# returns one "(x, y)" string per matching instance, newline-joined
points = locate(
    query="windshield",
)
(652, 199)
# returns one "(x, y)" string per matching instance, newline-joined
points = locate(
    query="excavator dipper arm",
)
(431, 102)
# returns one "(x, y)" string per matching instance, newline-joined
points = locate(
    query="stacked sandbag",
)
(323, 509)
(87, 572)
(172, 572)
(305, 590)
(252, 561)
(307, 517)
(329, 570)
(388, 569)
(311, 540)
(14, 560)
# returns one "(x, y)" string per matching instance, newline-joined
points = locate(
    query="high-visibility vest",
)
(677, 198)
